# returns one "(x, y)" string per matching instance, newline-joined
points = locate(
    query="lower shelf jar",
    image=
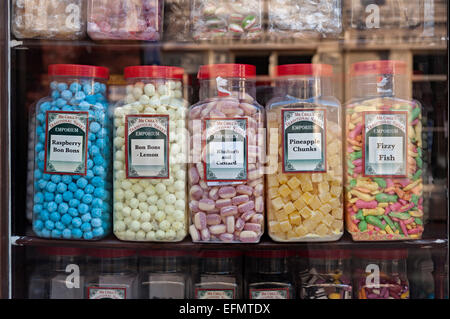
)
(325, 274)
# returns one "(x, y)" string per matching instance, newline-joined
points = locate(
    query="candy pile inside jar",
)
(149, 157)
(327, 275)
(125, 19)
(305, 17)
(226, 182)
(226, 19)
(305, 201)
(381, 274)
(46, 19)
(383, 157)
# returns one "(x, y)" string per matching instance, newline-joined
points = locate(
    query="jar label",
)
(214, 293)
(385, 144)
(107, 293)
(304, 140)
(276, 293)
(226, 150)
(66, 138)
(147, 146)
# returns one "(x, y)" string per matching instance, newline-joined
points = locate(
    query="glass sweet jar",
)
(72, 170)
(325, 274)
(269, 275)
(150, 156)
(125, 19)
(112, 274)
(227, 19)
(218, 275)
(47, 19)
(164, 274)
(304, 196)
(225, 175)
(381, 274)
(383, 155)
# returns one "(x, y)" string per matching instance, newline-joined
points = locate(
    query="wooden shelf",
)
(429, 78)
(434, 237)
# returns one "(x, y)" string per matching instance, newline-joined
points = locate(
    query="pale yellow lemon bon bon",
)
(305, 206)
(151, 209)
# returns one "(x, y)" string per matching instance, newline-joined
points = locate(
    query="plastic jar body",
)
(226, 181)
(150, 156)
(72, 156)
(304, 19)
(164, 275)
(304, 196)
(383, 155)
(218, 275)
(269, 275)
(46, 19)
(326, 275)
(381, 275)
(236, 19)
(125, 19)
(112, 274)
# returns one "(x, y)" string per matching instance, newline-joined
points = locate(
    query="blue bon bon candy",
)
(67, 205)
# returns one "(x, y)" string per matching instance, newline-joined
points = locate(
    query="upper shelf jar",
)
(304, 18)
(72, 186)
(125, 19)
(225, 19)
(304, 197)
(47, 19)
(226, 181)
(383, 154)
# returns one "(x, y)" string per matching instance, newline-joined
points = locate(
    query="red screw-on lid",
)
(378, 67)
(226, 71)
(111, 253)
(60, 251)
(78, 70)
(305, 69)
(153, 71)
(219, 254)
(163, 253)
(388, 254)
(325, 254)
(270, 253)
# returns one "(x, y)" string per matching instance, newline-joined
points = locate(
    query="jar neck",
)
(378, 85)
(60, 263)
(305, 87)
(227, 87)
(114, 265)
(222, 266)
(271, 265)
(169, 264)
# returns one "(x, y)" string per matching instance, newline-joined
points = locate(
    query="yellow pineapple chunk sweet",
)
(278, 203)
(336, 191)
(293, 183)
(337, 225)
(274, 227)
(321, 230)
(325, 197)
(309, 225)
(306, 197)
(301, 231)
(284, 190)
(272, 181)
(289, 208)
(327, 220)
(335, 203)
(295, 218)
(272, 192)
(281, 215)
(285, 226)
(325, 209)
(299, 203)
(323, 187)
(306, 212)
(291, 234)
(295, 194)
(307, 186)
(315, 203)
(282, 178)
(316, 217)
(337, 213)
